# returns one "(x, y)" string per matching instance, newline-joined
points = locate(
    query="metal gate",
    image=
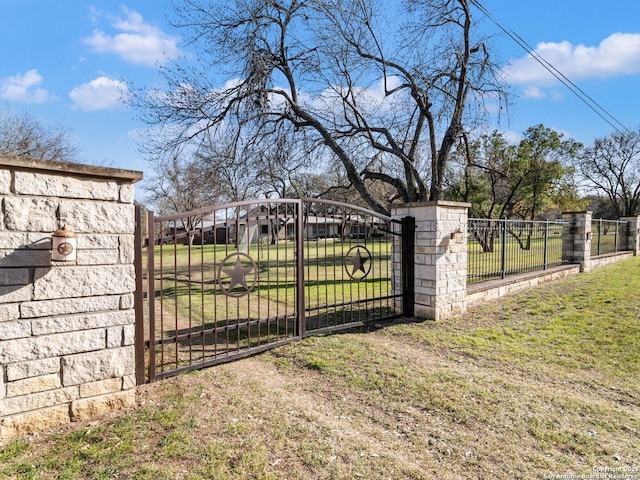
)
(228, 281)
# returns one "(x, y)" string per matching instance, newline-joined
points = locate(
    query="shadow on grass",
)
(186, 348)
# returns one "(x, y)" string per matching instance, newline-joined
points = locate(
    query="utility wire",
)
(577, 91)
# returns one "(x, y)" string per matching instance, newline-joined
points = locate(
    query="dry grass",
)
(543, 383)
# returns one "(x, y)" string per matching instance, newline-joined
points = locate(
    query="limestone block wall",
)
(631, 240)
(440, 257)
(576, 239)
(606, 260)
(66, 328)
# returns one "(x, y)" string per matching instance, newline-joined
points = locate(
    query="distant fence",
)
(607, 236)
(497, 248)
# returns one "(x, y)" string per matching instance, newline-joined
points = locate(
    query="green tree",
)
(515, 180)
(547, 171)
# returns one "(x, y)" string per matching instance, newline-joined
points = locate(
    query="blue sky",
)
(66, 62)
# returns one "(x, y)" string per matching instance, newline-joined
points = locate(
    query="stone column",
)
(66, 328)
(631, 239)
(576, 239)
(440, 258)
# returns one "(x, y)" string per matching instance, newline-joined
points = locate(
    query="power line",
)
(577, 91)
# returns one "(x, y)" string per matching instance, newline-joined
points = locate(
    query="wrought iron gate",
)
(229, 281)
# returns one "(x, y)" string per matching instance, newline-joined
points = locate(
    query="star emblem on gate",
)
(233, 274)
(357, 262)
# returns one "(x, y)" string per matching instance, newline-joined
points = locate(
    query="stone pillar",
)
(576, 239)
(631, 238)
(66, 328)
(440, 258)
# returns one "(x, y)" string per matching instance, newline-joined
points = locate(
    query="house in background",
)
(261, 225)
(348, 226)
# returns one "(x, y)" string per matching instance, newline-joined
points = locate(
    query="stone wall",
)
(440, 257)
(481, 292)
(631, 239)
(609, 259)
(66, 328)
(576, 239)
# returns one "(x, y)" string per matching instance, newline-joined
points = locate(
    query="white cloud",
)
(25, 88)
(555, 95)
(618, 54)
(103, 93)
(372, 99)
(512, 137)
(534, 92)
(139, 42)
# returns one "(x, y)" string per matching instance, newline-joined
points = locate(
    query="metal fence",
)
(228, 281)
(607, 236)
(497, 248)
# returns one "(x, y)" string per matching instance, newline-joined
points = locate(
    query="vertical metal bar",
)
(292, 268)
(139, 300)
(162, 305)
(175, 293)
(503, 260)
(202, 297)
(335, 265)
(346, 235)
(408, 266)
(189, 296)
(351, 239)
(151, 294)
(615, 238)
(281, 223)
(271, 222)
(599, 235)
(268, 270)
(546, 243)
(277, 303)
(316, 276)
(470, 258)
(326, 230)
(300, 286)
(290, 253)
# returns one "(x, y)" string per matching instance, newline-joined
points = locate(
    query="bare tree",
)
(612, 166)
(178, 186)
(388, 103)
(21, 135)
(228, 162)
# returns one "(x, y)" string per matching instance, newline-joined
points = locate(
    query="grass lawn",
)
(544, 383)
(190, 303)
(483, 266)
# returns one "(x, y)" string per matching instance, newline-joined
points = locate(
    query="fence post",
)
(151, 289)
(300, 285)
(408, 269)
(503, 249)
(440, 257)
(631, 241)
(139, 300)
(599, 235)
(576, 239)
(546, 243)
